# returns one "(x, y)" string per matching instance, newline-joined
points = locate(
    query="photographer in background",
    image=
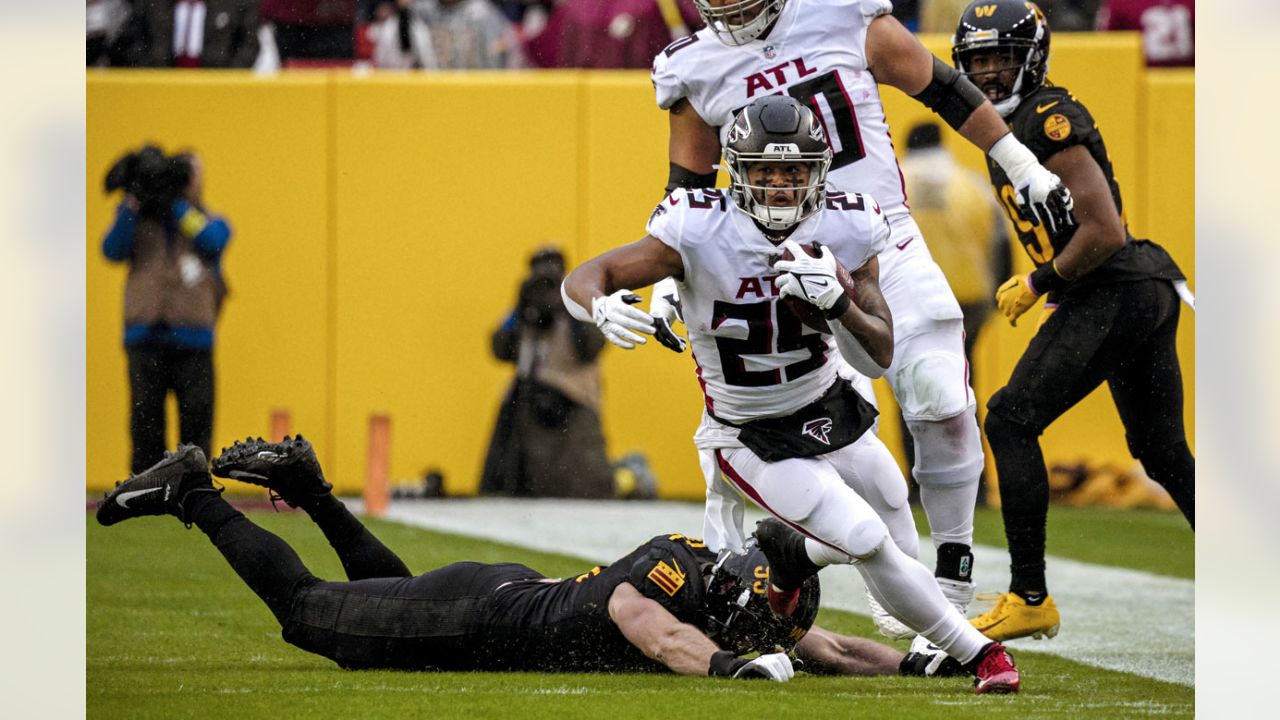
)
(547, 439)
(172, 296)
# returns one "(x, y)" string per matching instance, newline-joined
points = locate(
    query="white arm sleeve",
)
(574, 308)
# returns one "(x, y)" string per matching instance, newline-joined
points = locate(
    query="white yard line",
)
(1112, 618)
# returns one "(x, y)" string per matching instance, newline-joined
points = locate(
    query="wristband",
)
(1045, 279)
(836, 311)
(1013, 157)
(724, 664)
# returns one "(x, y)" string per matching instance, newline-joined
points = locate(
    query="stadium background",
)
(382, 224)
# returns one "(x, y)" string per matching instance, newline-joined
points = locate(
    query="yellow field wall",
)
(382, 225)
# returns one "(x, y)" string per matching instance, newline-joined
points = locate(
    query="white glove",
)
(618, 321)
(812, 279)
(774, 666)
(1041, 195)
(1048, 199)
(665, 309)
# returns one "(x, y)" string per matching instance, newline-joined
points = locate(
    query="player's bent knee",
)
(866, 537)
(933, 386)
(948, 452)
(1002, 431)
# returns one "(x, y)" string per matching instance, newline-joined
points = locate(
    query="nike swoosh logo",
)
(1042, 108)
(238, 474)
(903, 245)
(124, 497)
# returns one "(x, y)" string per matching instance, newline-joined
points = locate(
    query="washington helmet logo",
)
(818, 430)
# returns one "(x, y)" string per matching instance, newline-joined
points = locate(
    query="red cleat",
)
(782, 602)
(996, 671)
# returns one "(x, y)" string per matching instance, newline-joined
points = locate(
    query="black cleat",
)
(289, 469)
(789, 564)
(161, 489)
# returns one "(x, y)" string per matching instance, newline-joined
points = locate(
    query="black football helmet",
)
(1016, 26)
(738, 614)
(777, 128)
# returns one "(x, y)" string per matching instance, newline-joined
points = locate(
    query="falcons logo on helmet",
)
(818, 430)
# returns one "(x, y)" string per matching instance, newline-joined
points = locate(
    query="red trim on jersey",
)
(737, 481)
(902, 181)
(702, 384)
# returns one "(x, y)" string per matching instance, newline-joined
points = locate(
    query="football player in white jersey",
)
(782, 424)
(831, 55)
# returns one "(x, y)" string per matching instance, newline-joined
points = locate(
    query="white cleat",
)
(886, 624)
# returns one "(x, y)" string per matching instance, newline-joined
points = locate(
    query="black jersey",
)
(1049, 121)
(564, 625)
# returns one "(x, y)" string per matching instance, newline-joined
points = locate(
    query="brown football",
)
(809, 313)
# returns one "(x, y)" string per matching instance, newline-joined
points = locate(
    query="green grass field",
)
(172, 632)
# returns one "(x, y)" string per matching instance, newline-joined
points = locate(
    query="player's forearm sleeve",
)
(573, 307)
(951, 95)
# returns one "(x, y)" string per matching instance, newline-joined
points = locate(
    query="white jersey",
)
(754, 357)
(816, 53)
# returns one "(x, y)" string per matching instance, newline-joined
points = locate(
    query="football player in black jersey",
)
(669, 604)
(1111, 313)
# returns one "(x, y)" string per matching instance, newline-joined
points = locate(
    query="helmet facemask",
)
(728, 21)
(754, 198)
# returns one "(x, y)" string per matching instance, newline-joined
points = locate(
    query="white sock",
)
(907, 590)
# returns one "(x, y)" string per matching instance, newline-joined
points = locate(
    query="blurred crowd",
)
(490, 34)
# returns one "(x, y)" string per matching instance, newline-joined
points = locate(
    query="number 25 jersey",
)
(755, 358)
(814, 53)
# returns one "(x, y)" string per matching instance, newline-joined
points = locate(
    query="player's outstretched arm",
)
(895, 57)
(683, 648)
(831, 653)
(599, 290)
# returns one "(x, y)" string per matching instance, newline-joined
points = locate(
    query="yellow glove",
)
(1015, 297)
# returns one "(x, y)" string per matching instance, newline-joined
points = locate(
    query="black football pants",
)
(383, 617)
(154, 370)
(1123, 334)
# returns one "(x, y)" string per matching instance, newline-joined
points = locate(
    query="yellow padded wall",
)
(382, 225)
(264, 145)
(444, 184)
(1169, 194)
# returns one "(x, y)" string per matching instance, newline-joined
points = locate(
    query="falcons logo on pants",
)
(818, 430)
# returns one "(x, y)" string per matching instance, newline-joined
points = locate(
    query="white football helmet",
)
(738, 23)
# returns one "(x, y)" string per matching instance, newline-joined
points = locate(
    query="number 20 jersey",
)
(815, 53)
(754, 357)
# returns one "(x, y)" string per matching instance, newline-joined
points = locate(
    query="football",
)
(809, 313)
